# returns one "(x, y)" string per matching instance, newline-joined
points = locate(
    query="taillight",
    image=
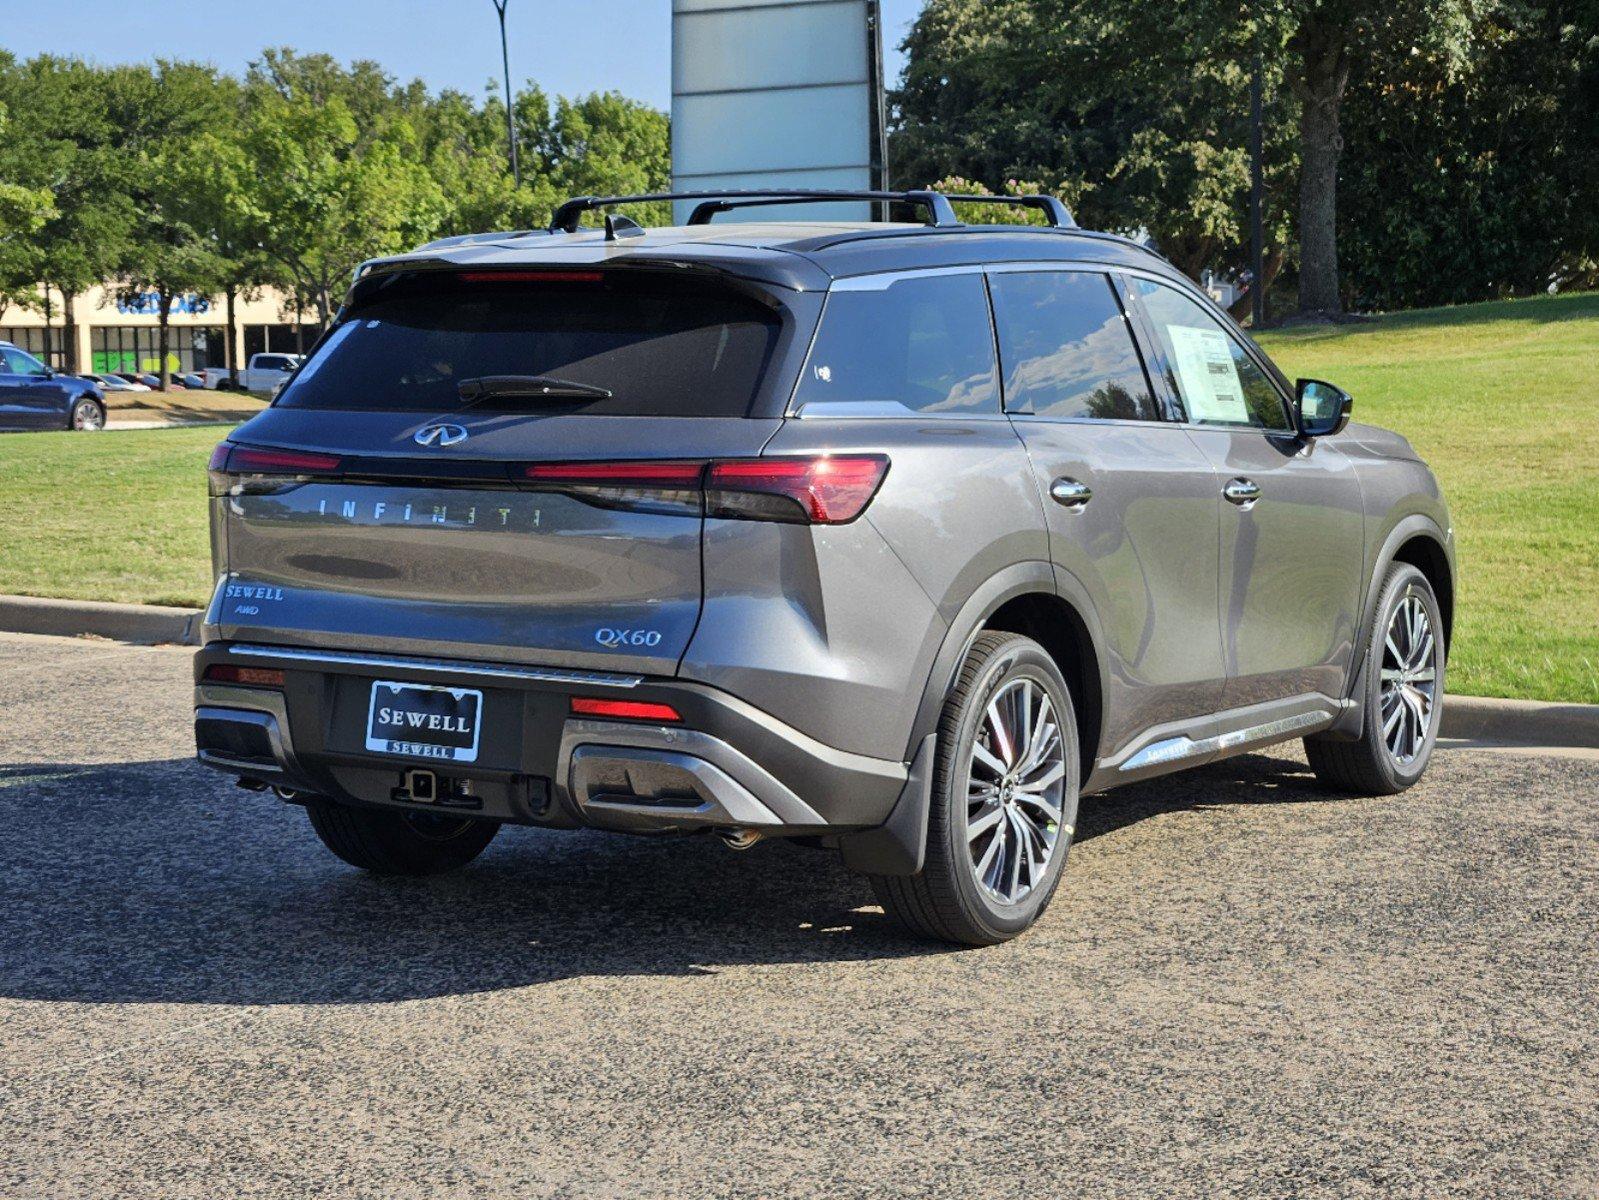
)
(618, 474)
(244, 676)
(815, 490)
(624, 710)
(231, 466)
(819, 491)
(667, 487)
(247, 461)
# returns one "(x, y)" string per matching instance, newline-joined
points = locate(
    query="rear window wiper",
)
(530, 387)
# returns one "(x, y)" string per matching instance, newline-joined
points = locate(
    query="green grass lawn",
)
(1493, 395)
(119, 515)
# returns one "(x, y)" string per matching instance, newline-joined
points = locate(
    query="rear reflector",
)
(247, 461)
(623, 710)
(245, 676)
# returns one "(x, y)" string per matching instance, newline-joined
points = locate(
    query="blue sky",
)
(569, 48)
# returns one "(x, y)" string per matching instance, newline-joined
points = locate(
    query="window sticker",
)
(1208, 375)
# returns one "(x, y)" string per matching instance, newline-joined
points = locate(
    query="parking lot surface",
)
(1246, 986)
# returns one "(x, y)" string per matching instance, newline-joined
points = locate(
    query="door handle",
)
(1242, 492)
(1068, 493)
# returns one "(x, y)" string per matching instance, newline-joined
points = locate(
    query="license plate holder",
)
(424, 721)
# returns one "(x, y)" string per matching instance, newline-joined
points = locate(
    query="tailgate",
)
(445, 551)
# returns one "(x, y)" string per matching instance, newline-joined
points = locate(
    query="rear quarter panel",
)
(834, 629)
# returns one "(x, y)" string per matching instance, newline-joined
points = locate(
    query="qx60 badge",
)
(439, 435)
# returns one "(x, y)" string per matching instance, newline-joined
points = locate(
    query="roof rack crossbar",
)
(1056, 213)
(568, 216)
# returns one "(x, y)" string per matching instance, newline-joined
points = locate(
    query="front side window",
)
(923, 342)
(19, 362)
(1218, 382)
(1066, 349)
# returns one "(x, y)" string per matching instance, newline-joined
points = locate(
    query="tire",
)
(87, 415)
(398, 843)
(1388, 758)
(948, 901)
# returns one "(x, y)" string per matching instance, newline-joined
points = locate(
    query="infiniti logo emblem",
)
(439, 435)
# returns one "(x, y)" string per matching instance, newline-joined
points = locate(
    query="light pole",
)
(1257, 241)
(510, 118)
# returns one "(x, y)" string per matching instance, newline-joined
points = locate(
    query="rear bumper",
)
(728, 765)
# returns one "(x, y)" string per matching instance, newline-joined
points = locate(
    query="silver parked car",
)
(897, 538)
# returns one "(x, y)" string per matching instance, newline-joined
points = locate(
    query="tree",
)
(331, 193)
(63, 150)
(1324, 38)
(1140, 124)
(163, 114)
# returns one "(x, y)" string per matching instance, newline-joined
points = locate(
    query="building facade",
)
(110, 332)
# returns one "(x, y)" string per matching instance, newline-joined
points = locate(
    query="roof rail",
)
(1056, 213)
(940, 213)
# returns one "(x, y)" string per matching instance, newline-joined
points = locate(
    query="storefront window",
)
(135, 348)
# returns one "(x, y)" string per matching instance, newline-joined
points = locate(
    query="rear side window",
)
(1066, 348)
(661, 346)
(922, 341)
(1218, 382)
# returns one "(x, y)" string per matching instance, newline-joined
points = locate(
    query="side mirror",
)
(1322, 409)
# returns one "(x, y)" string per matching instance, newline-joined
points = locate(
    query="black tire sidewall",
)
(1017, 658)
(1403, 581)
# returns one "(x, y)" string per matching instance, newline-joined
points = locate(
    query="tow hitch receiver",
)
(421, 786)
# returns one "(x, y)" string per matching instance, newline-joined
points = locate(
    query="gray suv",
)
(893, 538)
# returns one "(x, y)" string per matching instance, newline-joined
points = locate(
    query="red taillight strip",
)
(821, 489)
(247, 676)
(624, 710)
(619, 474)
(246, 460)
(530, 277)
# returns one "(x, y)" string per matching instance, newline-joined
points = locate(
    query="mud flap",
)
(899, 845)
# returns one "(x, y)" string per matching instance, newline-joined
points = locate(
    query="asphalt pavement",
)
(1246, 986)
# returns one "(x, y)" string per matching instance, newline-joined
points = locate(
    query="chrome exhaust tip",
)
(739, 839)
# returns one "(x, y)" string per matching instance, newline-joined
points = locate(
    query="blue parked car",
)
(34, 396)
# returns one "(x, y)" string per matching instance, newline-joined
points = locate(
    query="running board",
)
(1180, 749)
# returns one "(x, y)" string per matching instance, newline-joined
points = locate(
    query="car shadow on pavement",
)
(161, 882)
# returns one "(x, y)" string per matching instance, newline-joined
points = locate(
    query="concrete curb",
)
(141, 624)
(1521, 722)
(1468, 718)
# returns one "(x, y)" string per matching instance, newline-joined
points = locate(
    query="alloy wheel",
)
(1015, 786)
(1409, 680)
(87, 416)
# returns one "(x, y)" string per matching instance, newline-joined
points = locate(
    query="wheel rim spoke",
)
(1015, 793)
(1408, 679)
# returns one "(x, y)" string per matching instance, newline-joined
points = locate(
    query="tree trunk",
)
(1319, 80)
(232, 334)
(161, 339)
(70, 332)
(1271, 268)
(49, 315)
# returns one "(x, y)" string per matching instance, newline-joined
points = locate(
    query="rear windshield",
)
(661, 346)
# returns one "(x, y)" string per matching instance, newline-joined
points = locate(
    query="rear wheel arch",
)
(1059, 628)
(1030, 599)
